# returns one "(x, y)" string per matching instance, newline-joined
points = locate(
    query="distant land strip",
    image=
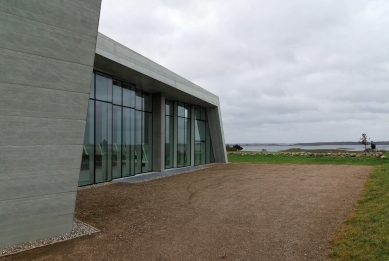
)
(311, 143)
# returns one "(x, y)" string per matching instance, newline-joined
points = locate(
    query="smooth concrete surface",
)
(23, 35)
(157, 175)
(33, 184)
(22, 131)
(127, 64)
(158, 132)
(14, 211)
(20, 68)
(21, 100)
(47, 50)
(33, 229)
(38, 158)
(80, 17)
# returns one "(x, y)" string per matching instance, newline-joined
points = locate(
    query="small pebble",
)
(79, 229)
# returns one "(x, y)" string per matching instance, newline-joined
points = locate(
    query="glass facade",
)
(118, 138)
(179, 135)
(203, 153)
(118, 134)
(183, 135)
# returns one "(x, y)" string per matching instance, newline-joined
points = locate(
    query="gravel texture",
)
(224, 212)
(79, 229)
(95, 185)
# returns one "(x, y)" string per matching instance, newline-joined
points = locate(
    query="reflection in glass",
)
(148, 102)
(203, 153)
(203, 113)
(188, 142)
(103, 143)
(169, 142)
(118, 133)
(208, 146)
(197, 113)
(197, 151)
(183, 135)
(117, 92)
(128, 142)
(92, 87)
(187, 110)
(87, 162)
(138, 141)
(180, 109)
(203, 143)
(139, 99)
(181, 148)
(103, 88)
(147, 144)
(129, 95)
(117, 142)
(169, 108)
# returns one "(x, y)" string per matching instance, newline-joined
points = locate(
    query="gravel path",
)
(225, 212)
(79, 229)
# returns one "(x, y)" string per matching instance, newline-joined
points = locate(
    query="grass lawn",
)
(286, 159)
(365, 233)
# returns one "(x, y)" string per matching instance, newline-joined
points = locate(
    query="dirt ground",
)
(225, 212)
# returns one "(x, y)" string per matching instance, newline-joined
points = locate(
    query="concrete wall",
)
(47, 50)
(116, 59)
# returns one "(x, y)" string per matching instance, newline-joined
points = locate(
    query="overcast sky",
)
(284, 70)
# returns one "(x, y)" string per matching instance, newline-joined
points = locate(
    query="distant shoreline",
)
(308, 144)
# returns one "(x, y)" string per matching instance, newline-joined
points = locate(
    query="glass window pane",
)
(92, 87)
(148, 102)
(203, 114)
(116, 142)
(169, 108)
(117, 92)
(138, 141)
(187, 111)
(139, 99)
(147, 143)
(197, 155)
(181, 142)
(197, 133)
(207, 144)
(212, 156)
(128, 95)
(103, 88)
(128, 149)
(202, 130)
(181, 109)
(88, 162)
(103, 142)
(197, 113)
(199, 130)
(188, 141)
(202, 161)
(169, 142)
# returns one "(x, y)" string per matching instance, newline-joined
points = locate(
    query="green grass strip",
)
(286, 159)
(365, 234)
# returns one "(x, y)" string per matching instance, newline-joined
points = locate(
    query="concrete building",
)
(72, 97)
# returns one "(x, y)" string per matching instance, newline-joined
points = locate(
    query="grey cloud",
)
(285, 71)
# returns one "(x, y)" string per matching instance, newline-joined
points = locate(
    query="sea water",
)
(275, 148)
